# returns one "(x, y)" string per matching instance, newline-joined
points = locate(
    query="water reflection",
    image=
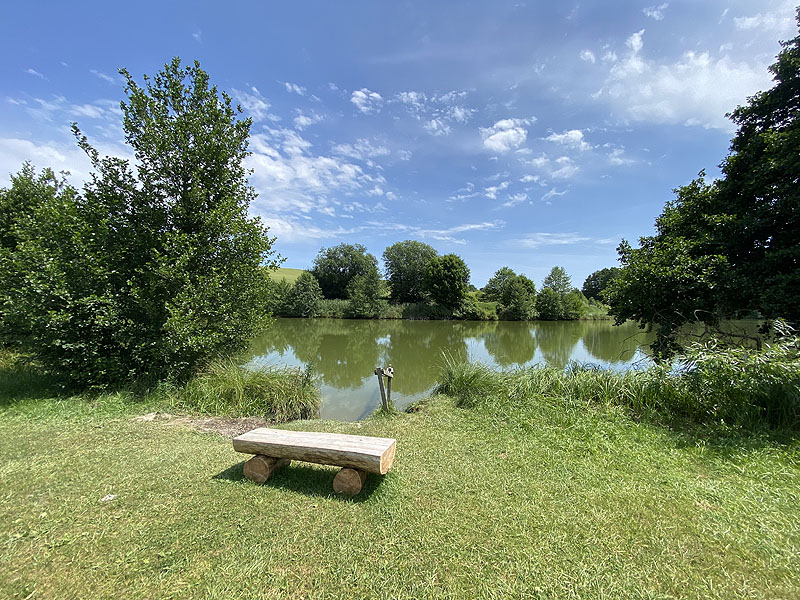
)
(344, 353)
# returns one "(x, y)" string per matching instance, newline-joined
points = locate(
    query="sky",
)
(520, 134)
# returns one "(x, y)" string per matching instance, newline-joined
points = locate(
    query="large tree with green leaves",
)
(731, 246)
(405, 269)
(596, 283)
(447, 280)
(152, 270)
(335, 267)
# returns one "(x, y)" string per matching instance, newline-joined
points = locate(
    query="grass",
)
(225, 388)
(522, 495)
(289, 275)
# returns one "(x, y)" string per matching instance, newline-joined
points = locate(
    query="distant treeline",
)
(345, 282)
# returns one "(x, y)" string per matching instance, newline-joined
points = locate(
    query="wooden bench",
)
(358, 455)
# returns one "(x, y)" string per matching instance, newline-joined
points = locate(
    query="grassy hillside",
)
(289, 275)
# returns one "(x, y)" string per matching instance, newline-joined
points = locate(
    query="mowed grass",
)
(289, 275)
(546, 501)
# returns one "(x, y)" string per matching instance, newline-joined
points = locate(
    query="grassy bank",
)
(535, 498)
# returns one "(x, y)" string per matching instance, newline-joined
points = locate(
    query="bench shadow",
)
(304, 479)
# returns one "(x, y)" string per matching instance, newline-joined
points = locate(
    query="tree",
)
(519, 300)
(550, 305)
(153, 270)
(364, 294)
(304, 298)
(405, 269)
(447, 280)
(558, 281)
(732, 246)
(597, 282)
(496, 286)
(335, 267)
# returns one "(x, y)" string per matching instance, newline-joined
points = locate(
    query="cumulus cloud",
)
(255, 104)
(518, 198)
(571, 139)
(562, 167)
(361, 149)
(293, 88)
(505, 135)
(656, 12)
(696, 89)
(491, 191)
(437, 127)
(367, 101)
(588, 56)
(302, 120)
(780, 20)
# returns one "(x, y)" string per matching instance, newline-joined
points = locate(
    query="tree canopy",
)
(405, 269)
(732, 246)
(335, 267)
(447, 280)
(148, 271)
(597, 282)
(558, 281)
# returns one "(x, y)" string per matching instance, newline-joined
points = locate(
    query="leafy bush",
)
(364, 296)
(150, 270)
(304, 297)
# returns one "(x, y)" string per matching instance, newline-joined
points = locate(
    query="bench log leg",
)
(349, 481)
(260, 467)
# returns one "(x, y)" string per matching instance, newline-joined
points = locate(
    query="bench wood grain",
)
(370, 454)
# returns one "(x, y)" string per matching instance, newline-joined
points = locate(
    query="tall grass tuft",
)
(718, 385)
(225, 388)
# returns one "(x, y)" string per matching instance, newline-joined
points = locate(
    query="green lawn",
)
(289, 275)
(540, 501)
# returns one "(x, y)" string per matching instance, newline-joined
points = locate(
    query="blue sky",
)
(521, 134)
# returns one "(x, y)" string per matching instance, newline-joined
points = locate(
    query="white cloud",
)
(571, 139)
(255, 104)
(460, 114)
(104, 77)
(537, 240)
(552, 193)
(780, 20)
(448, 235)
(565, 168)
(530, 179)
(301, 121)
(198, 35)
(375, 191)
(362, 149)
(491, 192)
(656, 12)
(293, 88)
(35, 73)
(505, 135)
(367, 101)
(617, 157)
(437, 127)
(694, 90)
(518, 198)
(588, 56)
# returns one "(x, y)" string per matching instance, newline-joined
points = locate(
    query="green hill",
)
(289, 275)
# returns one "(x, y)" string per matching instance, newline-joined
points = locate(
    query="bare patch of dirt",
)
(225, 426)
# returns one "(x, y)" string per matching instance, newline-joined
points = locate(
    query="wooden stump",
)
(260, 467)
(349, 481)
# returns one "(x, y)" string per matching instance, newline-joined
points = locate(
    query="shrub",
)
(304, 297)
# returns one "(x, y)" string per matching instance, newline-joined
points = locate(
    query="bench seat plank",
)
(371, 454)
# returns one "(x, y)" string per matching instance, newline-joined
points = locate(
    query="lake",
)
(345, 352)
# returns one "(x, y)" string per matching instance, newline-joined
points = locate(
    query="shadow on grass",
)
(21, 381)
(304, 479)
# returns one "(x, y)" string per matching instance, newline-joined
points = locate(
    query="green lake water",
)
(344, 353)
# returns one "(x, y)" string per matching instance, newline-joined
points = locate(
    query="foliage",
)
(447, 280)
(304, 298)
(496, 286)
(549, 305)
(597, 282)
(364, 295)
(574, 305)
(558, 281)
(225, 388)
(335, 267)
(731, 246)
(518, 300)
(473, 309)
(149, 271)
(405, 268)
